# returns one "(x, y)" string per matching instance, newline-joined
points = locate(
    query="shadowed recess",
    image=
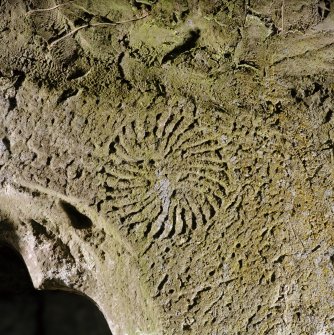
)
(25, 311)
(78, 220)
(14, 276)
(187, 45)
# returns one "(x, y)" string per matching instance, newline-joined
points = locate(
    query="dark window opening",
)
(26, 311)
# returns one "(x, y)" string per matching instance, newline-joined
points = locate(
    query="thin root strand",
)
(92, 25)
(41, 10)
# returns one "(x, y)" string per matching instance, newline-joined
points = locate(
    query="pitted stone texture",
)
(165, 174)
(178, 168)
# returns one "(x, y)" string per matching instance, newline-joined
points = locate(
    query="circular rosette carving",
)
(166, 173)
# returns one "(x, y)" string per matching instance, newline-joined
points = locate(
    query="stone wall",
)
(173, 160)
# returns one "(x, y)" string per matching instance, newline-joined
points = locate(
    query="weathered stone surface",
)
(177, 169)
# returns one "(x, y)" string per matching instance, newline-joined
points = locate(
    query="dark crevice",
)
(315, 248)
(148, 229)
(160, 230)
(48, 161)
(187, 45)
(76, 74)
(222, 189)
(161, 89)
(6, 143)
(193, 221)
(331, 258)
(324, 9)
(85, 18)
(108, 188)
(155, 129)
(167, 123)
(317, 88)
(162, 283)
(219, 154)
(66, 95)
(218, 200)
(98, 205)
(212, 210)
(173, 131)
(183, 219)
(77, 219)
(250, 64)
(12, 103)
(131, 226)
(172, 231)
(141, 4)
(39, 229)
(20, 77)
(273, 277)
(279, 259)
(293, 93)
(328, 116)
(112, 145)
(298, 315)
(122, 76)
(204, 220)
(150, 223)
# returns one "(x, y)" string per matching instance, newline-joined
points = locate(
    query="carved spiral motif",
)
(166, 175)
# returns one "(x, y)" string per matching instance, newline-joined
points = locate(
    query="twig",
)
(68, 34)
(100, 24)
(48, 9)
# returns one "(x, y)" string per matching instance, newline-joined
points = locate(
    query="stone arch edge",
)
(59, 257)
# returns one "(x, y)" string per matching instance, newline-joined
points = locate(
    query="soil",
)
(173, 160)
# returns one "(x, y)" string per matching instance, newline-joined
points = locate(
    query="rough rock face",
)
(178, 168)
